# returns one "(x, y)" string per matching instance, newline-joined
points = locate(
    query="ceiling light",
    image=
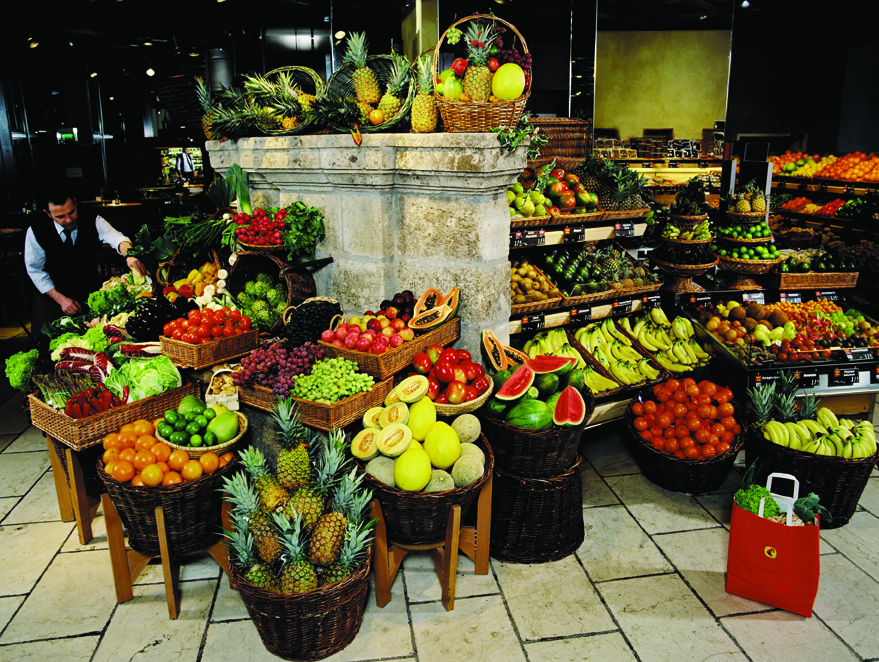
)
(147, 43)
(193, 54)
(150, 72)
(746, 4)
(33, 44)
(703, 17)
(93, 74)
(340, 34)
(111, 98)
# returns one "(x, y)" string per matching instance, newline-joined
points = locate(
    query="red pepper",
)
(86, 410)
(106, 399)
(125, 391)
(73, 409)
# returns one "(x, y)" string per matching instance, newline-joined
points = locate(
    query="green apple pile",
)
(526, 203)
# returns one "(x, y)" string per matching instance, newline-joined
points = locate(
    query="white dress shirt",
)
(35, 256)
(184, 163)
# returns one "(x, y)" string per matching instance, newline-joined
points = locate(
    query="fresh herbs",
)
(305, 227)
(509, 138)
(195, 234)
(807, 507)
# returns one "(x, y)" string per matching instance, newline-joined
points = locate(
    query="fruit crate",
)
(567, 136)
(805, 281)
(382, 366)
(211, 353)
(319, 415)
(82, 433)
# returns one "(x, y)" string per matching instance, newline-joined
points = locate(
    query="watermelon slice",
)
(517, 385)
(570, 408)
(542, 365)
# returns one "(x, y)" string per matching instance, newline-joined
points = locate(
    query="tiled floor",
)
(646, 584)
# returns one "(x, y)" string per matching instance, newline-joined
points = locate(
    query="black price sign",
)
(873, 191)
(849, 188)
(646, 165)
(781, 184)
(828, 295)
(581, 314)
(621, 307)
(764, 379)
(792, 297)
(822, 187)
(874, 375)
(755, 297)
(534, 321)
(701, 300)
(624, 229)
(516, 239)
(574, 235)
(534, 237)
(651, 301)
(674, 164)
(807, 379)
(842, 377)
(859, 354)
(802, 186)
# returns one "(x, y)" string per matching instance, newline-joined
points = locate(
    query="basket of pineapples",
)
(300, 544)
(495, 83)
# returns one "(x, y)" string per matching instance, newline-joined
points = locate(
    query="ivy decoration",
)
(510, 137)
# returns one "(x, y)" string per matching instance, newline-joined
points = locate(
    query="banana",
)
(614, 332)
(814, 427)
(794, 432)
(824, 449)
(579, 333)
(825, 414)
(847, 422)
(668, 364)
(678, 329)
(689, 325)
(865, 427)
(640, 324)
(600, 356)
(649, 346)
(697, 349)
(656, 340)
(847, 451)
(776, 435)
(632, 372)
(620, 376)
(681, 353)
(533, 351)
(657, 315)
(647, 370)
(833, 442)
(805, 432)
(558, 338)
(624, 322)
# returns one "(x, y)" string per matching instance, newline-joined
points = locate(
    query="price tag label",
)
(873, 191)
(516, 239)
(581, 314)
(646, 165)
(624, 229)
(842, 377)
(701, 300)
(781, 184)
(756, 380)
(621, 307)
(703, 164)
(534, 237)
(859, 354)
(807, 379)
(791, 297)
(651, 301)
(802, 186)
(574, 235)
(674, 164)
(829, 295)
(849, 188)
(822, 187)
(755, 297)
(534, 321)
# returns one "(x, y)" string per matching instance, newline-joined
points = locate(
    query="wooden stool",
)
(73, 502)
(128, 564)
(473, 541)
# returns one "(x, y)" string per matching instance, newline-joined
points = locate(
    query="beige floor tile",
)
(477, 627)
(192, 567)
(606, 451)
(32, 439)
(610, 647)
(700, 556)
(595, 491)
(552, 599)
(870, 497)
(26, 550)
(19, 471)
(615, 546)
(659, 510)
(39, 505)
(665, 622)
(779, 636)
(78, 649)
(99, 536)
(6, 440)
(228, 606)
(846, 607)
(825, 547)
(7, 504)
(857, 540)
(719, 505)
(239, 640)
(140, 629)
(7, 609)
(422, 583)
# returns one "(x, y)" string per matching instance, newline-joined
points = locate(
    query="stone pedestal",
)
(402, 211)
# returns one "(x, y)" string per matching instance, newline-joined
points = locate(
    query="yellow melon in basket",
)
(412, 470)
(442, 445)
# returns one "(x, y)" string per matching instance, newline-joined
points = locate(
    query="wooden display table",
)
(73, 502)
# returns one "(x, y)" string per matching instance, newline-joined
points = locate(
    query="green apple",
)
(511, 195)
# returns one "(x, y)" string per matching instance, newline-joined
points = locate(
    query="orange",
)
(127, 454)
(110, 455)
(209, 462)
(172, 478)
(145, 442)
(192, 470)
(108, 468)
(143, 427)
(152, 475)
(178, 459)
(123, 471)
(225, 459)
(127, 439)
(161, 450)
(144, 458)
(137, 481)
(160, 419)
(111, 440)
(128, 427)
(163, 466)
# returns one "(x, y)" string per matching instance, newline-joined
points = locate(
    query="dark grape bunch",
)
(511, 55)
(276, 367)
(308, 321)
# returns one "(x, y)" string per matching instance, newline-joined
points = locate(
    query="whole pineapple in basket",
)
(347, 504)
(809, 407)
(391, 102)
(294, 465)
(272, 495)
(477, 78)
(365, 81)
(310, 501)
(246, 502)
(742, 204)
(297, 575)
(204, 100)
(424, 104)
(355, 548)
(241, 553)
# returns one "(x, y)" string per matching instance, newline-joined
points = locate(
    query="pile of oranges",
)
(135, 455)
(689, 420)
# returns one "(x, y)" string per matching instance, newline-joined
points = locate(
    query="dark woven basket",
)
(192, 511)
(420, 518)
(88, 458)
(536, 520)
(307, 626)
(838, 482)
(535, 453)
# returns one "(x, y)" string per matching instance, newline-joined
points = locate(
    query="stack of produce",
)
(797, 164)
(263, 300)
(608, 267)
(739, 231)
(614, 351)
(749, 198)
(549, 191)
(277, 367)
(204, 326)
(330, 381)
(450, 376)
(555, 343)
(672, 344)
(859, 209)
(618, 187)
(843, 167)
(205, 281)
(194, 424)
(752, 497)
(690, 199)
(376, 332)
(817, 262)
(699, 233)
(296, 227)
(307, 321)
(528, 284)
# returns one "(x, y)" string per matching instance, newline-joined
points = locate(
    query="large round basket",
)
(746, 217)
(473, 117)
(535, 453)
(299, 282)
(192, 511)
(675, 473)
(465, 407)
(420, 518)
(307, 626)
(752, 267)
(536, 520)
(837, 481)
(341, 84)
(688, 220)
(196, 452)
(308, 82)
(682, 275)
(687, 242)
(178, 266)
(88, 457)
(744, 240)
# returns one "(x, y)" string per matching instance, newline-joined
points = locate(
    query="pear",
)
(528, 208)
(510, 196)
(519, 202)
(540, 210)
(518, 188)
(536, 197)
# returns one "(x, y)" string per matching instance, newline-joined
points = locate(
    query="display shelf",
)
(561, 316)
(536, 238)
(838, 187)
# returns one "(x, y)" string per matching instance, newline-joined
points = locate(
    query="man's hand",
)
(137, 265)
(69, 306)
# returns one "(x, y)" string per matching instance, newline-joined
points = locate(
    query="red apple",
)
(388, 331)
(328, 336)
(396, 340)
(407, 334)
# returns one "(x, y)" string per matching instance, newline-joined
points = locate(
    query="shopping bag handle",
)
(785, 503)
(788, 477)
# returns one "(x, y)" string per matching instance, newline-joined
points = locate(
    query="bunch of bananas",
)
(825, 436)
(699, 232)
(613, 350)
(672, 343)
(555, 343)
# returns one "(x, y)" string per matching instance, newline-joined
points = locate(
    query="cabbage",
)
(144, 377)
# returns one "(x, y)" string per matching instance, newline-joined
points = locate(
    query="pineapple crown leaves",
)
(786, 407)
(241, 494)
(292, 537)
(809, 406)
(358, 537)
(762, 398)
(331, 461)
(479, 38)
(241, 544)
(203, 93)
(424, 73)
(788, 383)
(340, 113)
(286, 417)
(254, 461)
(356, 53)
(399, 74)
(350, 498)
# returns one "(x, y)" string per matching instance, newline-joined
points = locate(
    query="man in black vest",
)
(61, 256)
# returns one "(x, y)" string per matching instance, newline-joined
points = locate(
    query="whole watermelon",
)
(530, 414)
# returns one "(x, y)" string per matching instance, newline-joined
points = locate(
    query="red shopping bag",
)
(771, 562)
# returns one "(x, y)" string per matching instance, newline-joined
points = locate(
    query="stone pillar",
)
(402, 211)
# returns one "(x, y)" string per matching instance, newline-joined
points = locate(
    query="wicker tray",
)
(747, 216)
(580, 299)
(480, 117)
(625, 214)
(307, 626)
(316, 414)
(82, 433)
(420, 518)
(810, 280)
(531, 221)
(688, 220)
(536, 520)
(382, 366)
(688, 242)
(465, 407)
(192, 511)
(588, 217)
(752, 267)
(196, 452)
(683, 270)
(307, 80)
(211, 353)
(739, 240)
(567, 136)
(167, 271)
(838, 482)
(523, 308)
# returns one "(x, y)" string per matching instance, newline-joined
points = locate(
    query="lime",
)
(198, 409)
(209, 414)
(179, 438)
(210, 439)
(196, 440)
(189, 416)
(193, 428)
(165, 430)
(202, 421)
(171, 416)
(180, 424)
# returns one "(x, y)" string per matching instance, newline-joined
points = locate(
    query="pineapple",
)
(477, 78)
(786, 407)
(809, 407)
(424, 105)
(241, 554)
(271, 494)
(294, 466)
(610, 259)
(297, 575)
(346, 504)
(391, 102)
(758, 202)
(246, 501)
(364, 109)
(340, 113)
(354, 550)
(365, 82)
(311, 501)
(204, 100)
(762, 403)
(742, 204)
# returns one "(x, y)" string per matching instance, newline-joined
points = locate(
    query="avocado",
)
(224, 426)
(190, 403)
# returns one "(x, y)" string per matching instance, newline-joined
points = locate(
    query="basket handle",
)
(472, 17)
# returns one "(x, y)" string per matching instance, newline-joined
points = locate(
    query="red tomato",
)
(481, 384)
(444, 372)
(421, 362)
(235, 315)
(177, 334)
(227, 331)
(451, 355)
(244, 323)
(434, 352)
(442, 399)
(195, 316)
(455, 392)
(190, 338)
(460, 374)
(464, 355)
(168, 329)
(470, 393)
(472, 370)
(203, 331)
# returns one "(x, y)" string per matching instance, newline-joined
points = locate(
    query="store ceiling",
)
(668, 14)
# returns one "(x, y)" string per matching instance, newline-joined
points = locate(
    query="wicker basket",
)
(308, 82)
(420, 518)
(625, 214)
(747, 217)
(172, 268)
(580, 299)
(536, 520)
(480, 117)
(534, 306)
(741, 240)
(94, 486)
(210, 353)
(687, 242)
(196, 452)
(382, 366)
(567, 136)
(531, 221)
(688, 220)
(465, 407)
(82, 433)
(837, 481)
(307, 626)
(813, 280)
(751, 267)
(588, 217)
(300, 283)
(319, 415)
(192, 511)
